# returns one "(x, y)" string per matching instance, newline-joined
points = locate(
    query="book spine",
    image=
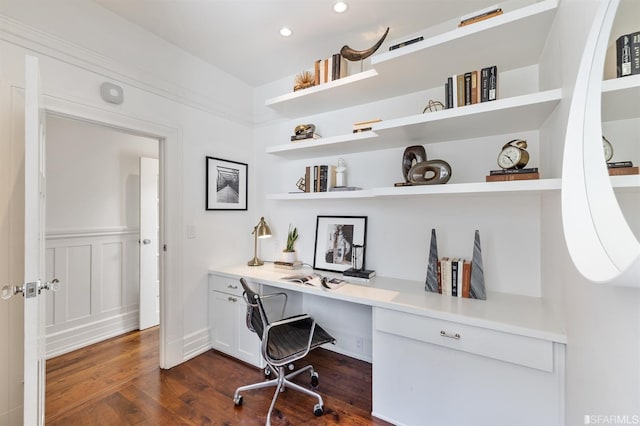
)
(446, 95)
(460, 84)
(454, 277)
(307, 179)
(344, 67)
(622, 171)
(439, 269)
(515, 176)
(467, 88)
(316, 72)
(493, 83)
(406, 43)
(623, 56)
(335, 63)
(484, 85)
(454, 91)
(460, 271)
(466, 279)
(315, 178)
(513, 171)
(474, 87)
(635, 53)
(323, 178)
(450, 92)
(446, 276)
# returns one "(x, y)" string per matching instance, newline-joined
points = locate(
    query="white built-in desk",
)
(436, 359)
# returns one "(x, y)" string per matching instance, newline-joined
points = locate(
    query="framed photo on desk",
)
(335, 239)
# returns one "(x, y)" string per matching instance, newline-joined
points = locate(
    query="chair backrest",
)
(256, 317)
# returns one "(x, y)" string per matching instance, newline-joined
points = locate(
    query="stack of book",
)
(471, 87)
(304, 137)
(359, 273)
(621, 168)
(363, 126)
(628, 54)
(319, 178)
(329, 69)
(406, 43)
(280, 264)
(454, 277)
(480, 15)
(513, 174)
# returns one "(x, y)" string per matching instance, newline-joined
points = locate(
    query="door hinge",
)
(164, 247)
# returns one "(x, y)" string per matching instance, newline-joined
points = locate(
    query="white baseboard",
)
(83, 335)
(196, 343)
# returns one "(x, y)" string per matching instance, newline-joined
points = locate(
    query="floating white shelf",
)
(342, 144)
(347, 91)
(331, 195)
(621, 98)
(620, 183)
(496, 41)
(516, 114)
(625, 183)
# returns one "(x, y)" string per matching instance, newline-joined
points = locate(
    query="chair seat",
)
(288, 339)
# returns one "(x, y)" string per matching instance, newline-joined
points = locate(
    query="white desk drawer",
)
(521, 350)
(225, 285)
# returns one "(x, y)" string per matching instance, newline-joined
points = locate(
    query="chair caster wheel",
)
(267, 372)
(314, 380)
(318, 410)
(237, 400)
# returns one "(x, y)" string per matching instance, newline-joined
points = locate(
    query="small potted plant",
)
(289, 253)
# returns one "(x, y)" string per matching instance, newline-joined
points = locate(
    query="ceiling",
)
(242, 38)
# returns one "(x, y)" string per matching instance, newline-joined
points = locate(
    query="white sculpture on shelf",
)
(341, 173)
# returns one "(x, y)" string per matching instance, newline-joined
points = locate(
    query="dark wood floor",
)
(118, 382)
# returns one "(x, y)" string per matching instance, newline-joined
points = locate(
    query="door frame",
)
(170, 212)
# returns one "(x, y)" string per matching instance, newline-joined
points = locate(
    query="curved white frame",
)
(599, 239)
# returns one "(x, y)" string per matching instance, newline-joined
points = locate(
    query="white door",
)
(149, 254)
(34, 192)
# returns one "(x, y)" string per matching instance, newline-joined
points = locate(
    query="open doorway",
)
(93, 232)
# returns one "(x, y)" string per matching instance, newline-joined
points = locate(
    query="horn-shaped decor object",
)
(358, 55)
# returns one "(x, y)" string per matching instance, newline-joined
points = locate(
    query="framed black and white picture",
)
(226, 184)
(336, 237)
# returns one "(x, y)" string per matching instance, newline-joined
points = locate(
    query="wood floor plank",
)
(118, 382)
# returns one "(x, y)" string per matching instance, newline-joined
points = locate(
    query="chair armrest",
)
(297, 355)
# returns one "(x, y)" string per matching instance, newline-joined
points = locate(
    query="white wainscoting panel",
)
(98, 296)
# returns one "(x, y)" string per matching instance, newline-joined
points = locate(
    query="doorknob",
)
(29, 290)
(146, 241)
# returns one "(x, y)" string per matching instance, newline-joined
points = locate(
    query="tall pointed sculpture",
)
(432, 267)
(477, 273)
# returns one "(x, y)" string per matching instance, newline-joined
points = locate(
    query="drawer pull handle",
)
(235, 287)
(232, 299)
(450, 336)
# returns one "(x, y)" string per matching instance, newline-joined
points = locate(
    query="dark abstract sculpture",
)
(358, 55)
(430, 172)
(412, 155)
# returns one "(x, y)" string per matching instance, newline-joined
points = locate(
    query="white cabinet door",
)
(224, 322)
(248, 341)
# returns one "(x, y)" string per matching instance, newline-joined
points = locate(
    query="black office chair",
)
(283, 342)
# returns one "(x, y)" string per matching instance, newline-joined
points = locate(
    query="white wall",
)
(200, 109)
(93, 176)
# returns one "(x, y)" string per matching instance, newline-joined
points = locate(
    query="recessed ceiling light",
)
(340, 6)
(285, 32)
